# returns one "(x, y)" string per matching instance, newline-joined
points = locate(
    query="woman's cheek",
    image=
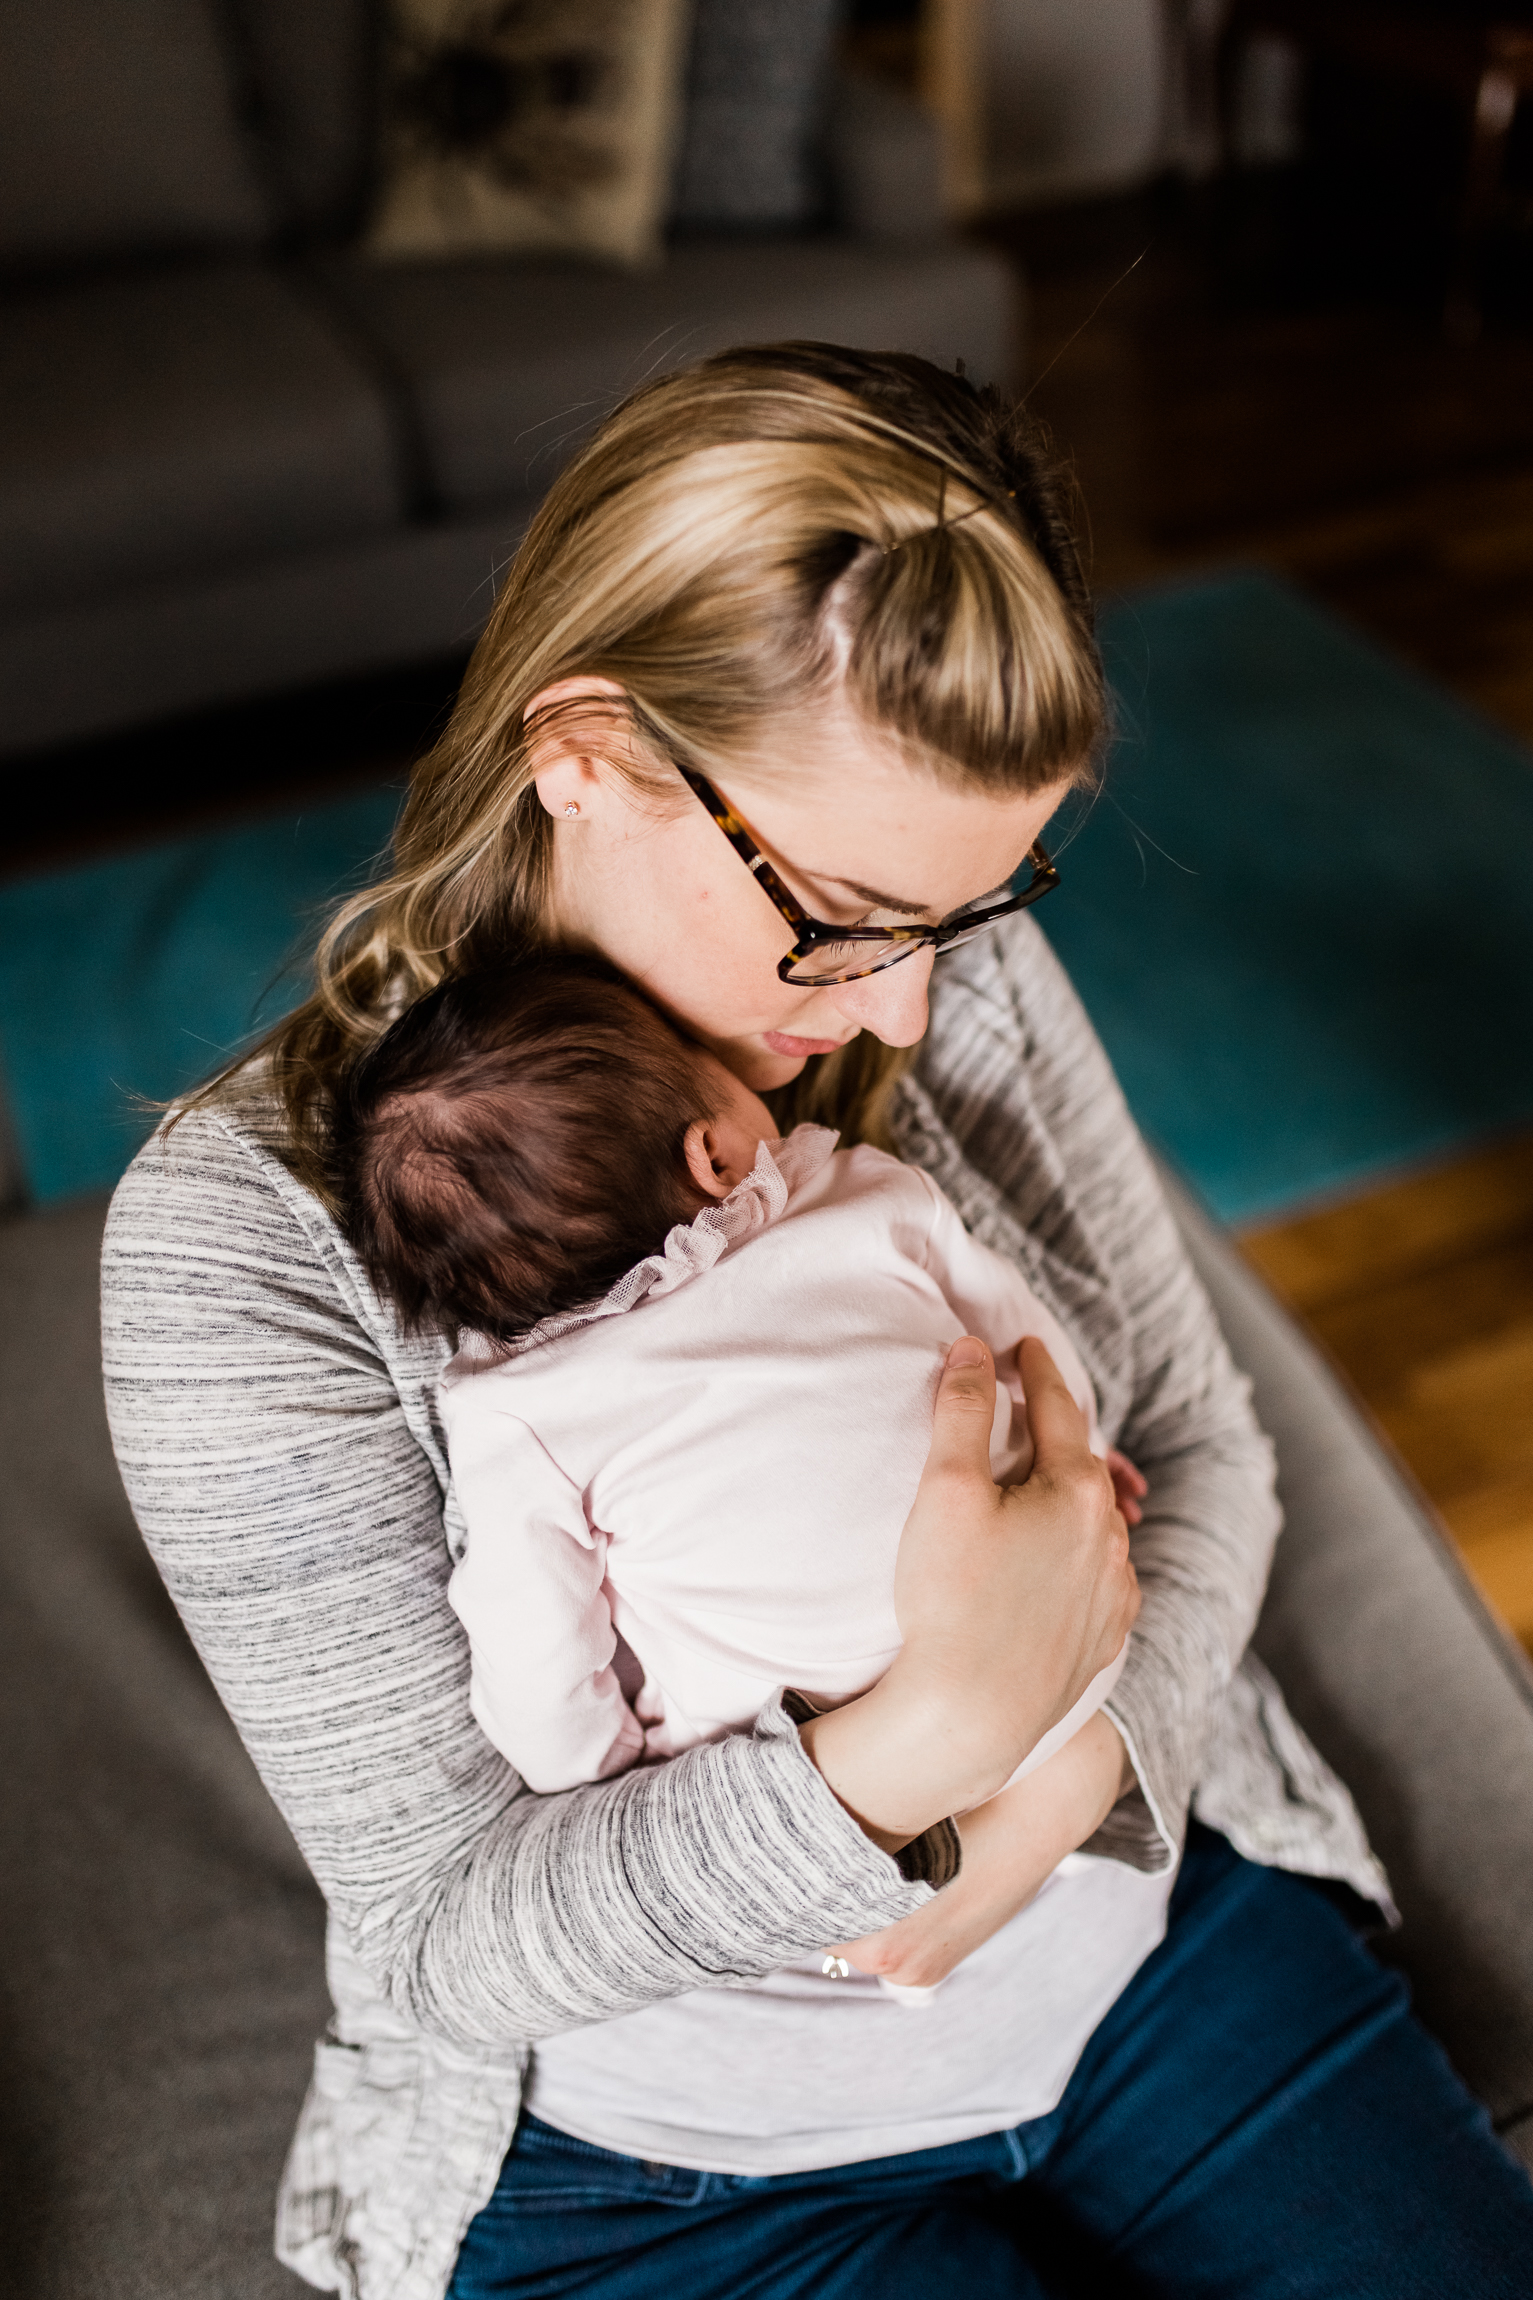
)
(714, 995)
(726, 983)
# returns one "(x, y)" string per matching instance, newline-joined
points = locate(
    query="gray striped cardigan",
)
(279, 1441)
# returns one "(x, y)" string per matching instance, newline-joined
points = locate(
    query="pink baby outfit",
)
(716, 1463)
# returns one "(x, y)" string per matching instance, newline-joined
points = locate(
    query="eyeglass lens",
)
(843, 961)
(828, 962)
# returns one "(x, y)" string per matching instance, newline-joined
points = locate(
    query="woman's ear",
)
(568, 784)
(701, 1148)
(566, 778)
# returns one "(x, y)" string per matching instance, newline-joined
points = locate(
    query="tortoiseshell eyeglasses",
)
(825, 954)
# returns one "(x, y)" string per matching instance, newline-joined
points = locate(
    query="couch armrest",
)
(884, 154)
(1402, 1679)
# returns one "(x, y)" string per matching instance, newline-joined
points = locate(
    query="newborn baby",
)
(696, 1364)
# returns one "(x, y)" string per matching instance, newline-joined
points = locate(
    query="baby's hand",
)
(1129, 1484)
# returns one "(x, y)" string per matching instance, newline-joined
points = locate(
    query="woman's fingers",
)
(1056, 1421)
(1132, 1478)
(1061, 1438)
(964, 1412)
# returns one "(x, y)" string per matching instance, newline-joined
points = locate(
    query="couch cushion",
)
(756, 90)
(311, 65)
(162, 1940)
(418, 594)
(118, 132)
(512, 365)
(165, 423)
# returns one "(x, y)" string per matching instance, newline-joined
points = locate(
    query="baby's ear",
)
(699, 1146)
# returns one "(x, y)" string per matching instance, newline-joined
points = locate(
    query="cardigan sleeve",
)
(283, 1473)
(1018, 1078)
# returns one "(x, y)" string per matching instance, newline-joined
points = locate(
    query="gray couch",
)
(161, 1950)
(235, 457)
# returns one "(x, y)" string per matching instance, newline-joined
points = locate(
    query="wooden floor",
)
(1391, 473)
(1423, 1295)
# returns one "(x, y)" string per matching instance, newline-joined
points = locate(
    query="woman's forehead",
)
(859, 810)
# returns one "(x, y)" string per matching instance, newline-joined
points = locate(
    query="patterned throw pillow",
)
(528, 126)
(757, 84)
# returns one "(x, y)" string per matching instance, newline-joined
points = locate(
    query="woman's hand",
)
(1011, 1847)
(1009, 1602)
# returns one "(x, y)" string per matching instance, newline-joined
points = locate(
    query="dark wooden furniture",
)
(1483, 65)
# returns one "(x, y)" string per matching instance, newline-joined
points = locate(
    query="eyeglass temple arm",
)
(739, 837)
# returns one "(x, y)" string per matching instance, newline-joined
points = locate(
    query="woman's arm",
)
(278, 1451)
(1015, 1076)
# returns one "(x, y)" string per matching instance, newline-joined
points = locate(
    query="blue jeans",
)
(1258, 2115)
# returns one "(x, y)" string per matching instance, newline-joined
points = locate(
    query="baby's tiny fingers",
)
(1126, 1475)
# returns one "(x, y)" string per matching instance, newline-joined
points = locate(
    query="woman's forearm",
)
(1062, 1174)
(722, 1864)
(1203, 1554)
(889, 1760)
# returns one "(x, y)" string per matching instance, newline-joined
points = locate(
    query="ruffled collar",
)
(692, 1248)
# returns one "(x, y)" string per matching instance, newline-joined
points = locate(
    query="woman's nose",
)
(893, 1003)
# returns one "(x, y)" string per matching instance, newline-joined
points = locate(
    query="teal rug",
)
(138, 975)
(1301, 915)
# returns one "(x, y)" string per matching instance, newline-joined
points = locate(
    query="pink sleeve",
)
(994, 1300)
(529, 1591)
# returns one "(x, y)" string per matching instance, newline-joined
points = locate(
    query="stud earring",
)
(572, 808)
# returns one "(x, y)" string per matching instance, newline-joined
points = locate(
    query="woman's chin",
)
(762, 1071)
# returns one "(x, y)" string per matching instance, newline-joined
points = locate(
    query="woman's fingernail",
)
(967, 1352)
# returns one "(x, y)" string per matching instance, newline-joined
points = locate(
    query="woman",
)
(785, 683)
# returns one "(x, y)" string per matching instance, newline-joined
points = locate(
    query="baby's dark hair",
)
(514, 1143)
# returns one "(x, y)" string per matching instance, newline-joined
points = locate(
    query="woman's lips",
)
(800, 1048)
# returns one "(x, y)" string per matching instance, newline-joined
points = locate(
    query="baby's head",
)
(518, 1139)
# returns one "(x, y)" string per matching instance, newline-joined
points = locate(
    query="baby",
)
(693, 1392)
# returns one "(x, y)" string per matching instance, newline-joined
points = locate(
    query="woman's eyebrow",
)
(871, 894)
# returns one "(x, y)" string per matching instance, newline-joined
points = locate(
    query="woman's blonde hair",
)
(735, 542)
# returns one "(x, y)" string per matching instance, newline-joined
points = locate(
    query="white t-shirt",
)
(718, 1463)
